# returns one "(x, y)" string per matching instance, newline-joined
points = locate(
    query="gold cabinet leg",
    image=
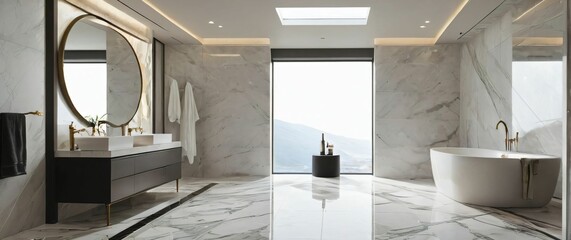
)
(108, 207)
(177, 185)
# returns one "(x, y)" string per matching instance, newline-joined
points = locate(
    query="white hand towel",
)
(174, 103)
(188, 125)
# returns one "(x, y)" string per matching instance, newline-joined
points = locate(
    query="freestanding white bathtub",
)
(492, 178)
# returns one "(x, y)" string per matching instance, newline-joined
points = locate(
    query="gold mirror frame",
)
(61, 78)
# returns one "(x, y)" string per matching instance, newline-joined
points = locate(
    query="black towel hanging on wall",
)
(12, 144)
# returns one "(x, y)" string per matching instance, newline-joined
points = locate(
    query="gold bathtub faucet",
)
(509, 142)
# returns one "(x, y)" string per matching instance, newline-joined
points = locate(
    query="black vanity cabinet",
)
(108, 180)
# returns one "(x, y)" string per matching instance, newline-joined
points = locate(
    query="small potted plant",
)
(94, 124)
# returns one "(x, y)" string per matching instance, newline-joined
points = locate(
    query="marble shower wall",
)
(233, 99)
(416, 107)
(485, 86)
(22, 85)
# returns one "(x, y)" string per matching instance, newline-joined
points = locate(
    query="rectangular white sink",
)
(152, 139)
(105, 143)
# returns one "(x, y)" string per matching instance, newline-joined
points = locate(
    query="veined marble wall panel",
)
(416, 107)
(233, 100)
(22, 85)
(184, 63)
(485, 86)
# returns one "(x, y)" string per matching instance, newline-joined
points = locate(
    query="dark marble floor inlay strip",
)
(159, 213)
(531, 220)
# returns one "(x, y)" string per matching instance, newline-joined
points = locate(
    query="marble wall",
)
(416, 107)
(485, 86)
(232, 95)
(22, 85)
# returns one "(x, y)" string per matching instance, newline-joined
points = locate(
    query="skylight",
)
(324, 15)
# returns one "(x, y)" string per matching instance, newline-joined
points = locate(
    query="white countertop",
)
(63, 153)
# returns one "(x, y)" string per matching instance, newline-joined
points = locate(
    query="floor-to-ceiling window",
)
(328, 96)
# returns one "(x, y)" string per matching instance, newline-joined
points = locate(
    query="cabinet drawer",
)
(122, 188)
(155, 160)
(149, 179)
(173, 172)
(122, 167)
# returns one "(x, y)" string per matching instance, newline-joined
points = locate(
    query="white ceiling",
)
(186, 21)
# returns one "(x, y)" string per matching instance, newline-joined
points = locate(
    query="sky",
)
(335, 97)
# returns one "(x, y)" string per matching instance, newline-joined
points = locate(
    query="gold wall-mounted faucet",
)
(123, 127)
(137, 129)
(72, 132)
(509, 142)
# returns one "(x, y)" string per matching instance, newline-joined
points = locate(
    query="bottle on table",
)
(322, 152)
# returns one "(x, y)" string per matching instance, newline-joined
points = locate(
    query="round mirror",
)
(100, 75)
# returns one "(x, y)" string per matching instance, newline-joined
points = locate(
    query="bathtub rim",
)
(532, 155)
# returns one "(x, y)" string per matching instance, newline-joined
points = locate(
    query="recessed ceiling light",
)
(426, 21)
(324, 16)
(211, 22)
(219, 26)
(422, 26)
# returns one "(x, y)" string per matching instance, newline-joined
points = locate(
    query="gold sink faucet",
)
(72, 132)
(509, 142)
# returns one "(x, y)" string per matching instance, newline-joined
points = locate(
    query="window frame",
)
(323, 55)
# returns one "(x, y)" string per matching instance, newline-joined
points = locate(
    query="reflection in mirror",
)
(101, 74)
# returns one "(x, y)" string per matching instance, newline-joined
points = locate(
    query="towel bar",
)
(37, 113)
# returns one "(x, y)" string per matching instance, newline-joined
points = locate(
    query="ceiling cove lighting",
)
(450, 19)
(224, 55)
(236, 41)
(528, 10)
(324, 15)
(158, 10)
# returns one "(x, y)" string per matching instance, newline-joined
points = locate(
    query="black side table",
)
(325, 166)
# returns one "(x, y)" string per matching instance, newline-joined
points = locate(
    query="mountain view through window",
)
(311, 98)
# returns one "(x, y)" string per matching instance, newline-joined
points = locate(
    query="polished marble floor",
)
(305, 207)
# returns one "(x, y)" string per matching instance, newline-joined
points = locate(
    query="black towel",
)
(12, 144)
